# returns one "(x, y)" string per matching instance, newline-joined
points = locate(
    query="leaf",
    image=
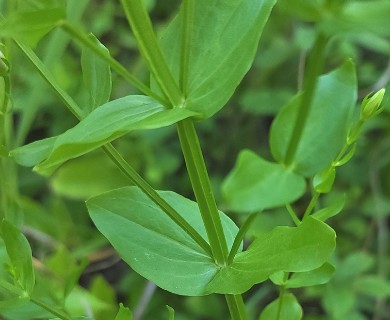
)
(307, 10)
(19, 252)
(298, 249)
(30, 26)
(330, 211)
(359, 17)
(171, 313)
(224, 37)
(104, 124)
(373, 285)
(96, 75)
(33, 153)
(286, 309)
(326, 127)
(314, 277)
(152, 244)
(256, 184)
(123, 313)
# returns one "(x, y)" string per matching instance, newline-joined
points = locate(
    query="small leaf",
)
(152, 244)
(106, 123)
(224, 37)
(256, 184)
(33, 153)
(328, 212)
(323, 181)
(96, 75)
(19, 252)
(326, 128)
(298, 249)
(284, 308)
(30, 26)
(314, 277)
(123, 313)
(171, 312)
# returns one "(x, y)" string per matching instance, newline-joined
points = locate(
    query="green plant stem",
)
(313, 70)
(293, 215)
(281, 296)
(236, 307)
(114, 64)
(58, 313)
(311, 205)
(141, 25)
(114, 155)
(201, 185)
(240, 237)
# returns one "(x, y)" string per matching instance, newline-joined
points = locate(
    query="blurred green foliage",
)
(64, 242)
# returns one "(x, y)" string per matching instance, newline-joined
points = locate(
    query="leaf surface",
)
(287, 249)
(30, 26)
(152, 244)
(19, 252)
(224, 37)
(326, 128)
(106, 123)
(287, 309)
(96, 75)
(256, 184)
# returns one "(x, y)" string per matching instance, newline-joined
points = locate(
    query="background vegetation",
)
(64, 241)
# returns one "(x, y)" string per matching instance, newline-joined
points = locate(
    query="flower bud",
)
(371, 105)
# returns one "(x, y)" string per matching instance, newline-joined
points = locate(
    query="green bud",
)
(371, 105)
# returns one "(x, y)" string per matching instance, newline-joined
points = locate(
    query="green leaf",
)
(30, 26)
(314, 277)
(256, 184)
(372, 285)
(330, 211)
(359, 17)
(323, 181)
(33, 153)
(96, 75)
(298, 249)
(286, 308)
(104, 124)
(307, 10)
(19, 252)
(171, 313)
(224, 37)
(152, 244)
(326, 128)
(123, 313)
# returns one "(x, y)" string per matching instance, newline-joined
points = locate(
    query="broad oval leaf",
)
(256, 184)
(152, 244)
(224, 37)
(297, 249)
(106, 123)
(287, 309)
(326, 127)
